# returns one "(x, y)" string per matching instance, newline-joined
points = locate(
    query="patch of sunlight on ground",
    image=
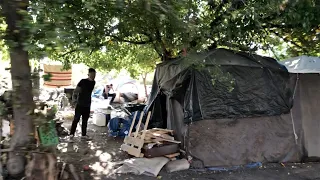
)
(105, 157)
(93, 145)
(98, 153)
(63, 147)
(104, 166)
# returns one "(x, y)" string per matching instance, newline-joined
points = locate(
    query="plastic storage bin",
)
(100, 119)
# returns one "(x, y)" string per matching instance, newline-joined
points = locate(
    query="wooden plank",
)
(139, 124)
(160, 129)
(148, 141)
(133, 122)
(146, 125)
(157, 132)
(172, 155)
(134, 141)
(164, 136)
(131, 150)
(159, 139)
(147, 138)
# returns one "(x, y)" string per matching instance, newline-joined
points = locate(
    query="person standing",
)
(82, 101)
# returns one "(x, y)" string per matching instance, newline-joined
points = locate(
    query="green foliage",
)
(170, 26)
(4, 55)
(102, 34)
(225, 78)
(47, 77)
(136, 59)
(3, 110)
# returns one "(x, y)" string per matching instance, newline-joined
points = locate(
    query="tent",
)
(302, 64)
(304, 71)
(228, 108)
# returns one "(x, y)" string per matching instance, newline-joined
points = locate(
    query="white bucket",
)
(99, 119)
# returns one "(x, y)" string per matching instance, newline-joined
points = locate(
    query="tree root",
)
(42, 166)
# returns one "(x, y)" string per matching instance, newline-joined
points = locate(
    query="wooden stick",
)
(133, 122)
(139, 124)
(160, 129)
(73, 172)
(146, 125)
(168, 140)
(172, 155)
(62, 170)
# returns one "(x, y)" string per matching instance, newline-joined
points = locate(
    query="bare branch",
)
(69, 52)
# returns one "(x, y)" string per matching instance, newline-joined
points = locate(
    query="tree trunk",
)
(21, 82)
(36, 83)
(22, 98)
(42, 167)
(144, 78)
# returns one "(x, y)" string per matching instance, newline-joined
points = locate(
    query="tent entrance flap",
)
(159, 109)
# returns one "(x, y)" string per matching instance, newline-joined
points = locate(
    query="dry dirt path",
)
(102, 154)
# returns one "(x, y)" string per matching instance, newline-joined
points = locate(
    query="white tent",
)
(302, 64)
(306, 71)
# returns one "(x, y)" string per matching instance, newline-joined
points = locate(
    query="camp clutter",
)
(150, 143)
(153, 149)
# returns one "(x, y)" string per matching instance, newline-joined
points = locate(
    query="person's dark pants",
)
(113, 97)
(85, 113)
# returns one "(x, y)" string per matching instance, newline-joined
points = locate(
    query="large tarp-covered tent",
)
(228, 108)
(305, 70)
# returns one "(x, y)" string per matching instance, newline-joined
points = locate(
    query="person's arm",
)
(111, 87)
(107, 90)
(76, 92)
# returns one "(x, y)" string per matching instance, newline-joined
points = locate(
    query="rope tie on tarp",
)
(293, 125)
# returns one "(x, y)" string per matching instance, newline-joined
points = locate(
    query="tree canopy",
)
(104, 33)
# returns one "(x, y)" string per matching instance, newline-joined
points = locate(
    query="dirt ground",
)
(103, 153)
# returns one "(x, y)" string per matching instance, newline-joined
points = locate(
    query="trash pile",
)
(160, 142)
(153, 148)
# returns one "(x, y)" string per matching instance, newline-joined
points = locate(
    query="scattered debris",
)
(133, 143)
(146, 166)
(153, 144)
(177, 165)
(86, 168)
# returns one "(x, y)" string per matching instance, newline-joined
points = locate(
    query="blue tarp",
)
(119, 127)
(97, 93)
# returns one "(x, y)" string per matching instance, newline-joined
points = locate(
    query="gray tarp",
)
(254, 127)
(226, 142)
(263, 139)
(224, 84)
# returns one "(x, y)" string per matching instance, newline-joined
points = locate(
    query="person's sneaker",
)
(87, 138)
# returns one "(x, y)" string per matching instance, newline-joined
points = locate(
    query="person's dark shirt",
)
(84, 98)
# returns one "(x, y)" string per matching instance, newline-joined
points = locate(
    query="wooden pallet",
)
(133, 143)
